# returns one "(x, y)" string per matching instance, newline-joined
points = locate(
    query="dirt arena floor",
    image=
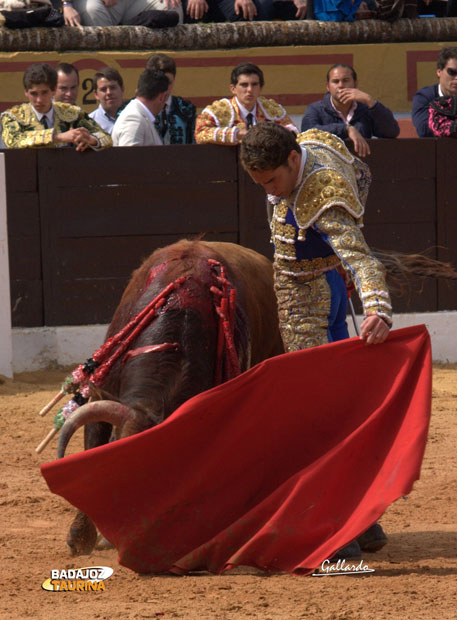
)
(415, 574)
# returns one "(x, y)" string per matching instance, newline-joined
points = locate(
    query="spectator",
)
(67, 83)
(135, 125)
(42, 122)
(176, 122)
(154, 13)
(228, 10)
(242, 10)
(226, 121)
(391, 10)
(350, 113)
(335, 10)
(447, 86)
(109, 92)
(443, 117)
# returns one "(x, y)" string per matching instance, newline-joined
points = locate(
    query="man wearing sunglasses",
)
(447, 86)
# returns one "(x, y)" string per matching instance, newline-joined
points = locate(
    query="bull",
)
(212, 297)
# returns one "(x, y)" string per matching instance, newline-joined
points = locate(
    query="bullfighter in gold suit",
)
(44, 123)
(317, 191)
(226, 121)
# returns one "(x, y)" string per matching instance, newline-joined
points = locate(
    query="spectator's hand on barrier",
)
(241, 133)
(361, 146)
(349, 95)
(109, 3)
(197, 8)
(301, 8)
(246, 7)
(84, 139)
(71, 16)
(80, 137)
(374, 330)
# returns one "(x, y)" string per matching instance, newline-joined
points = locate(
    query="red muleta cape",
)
(275, 469)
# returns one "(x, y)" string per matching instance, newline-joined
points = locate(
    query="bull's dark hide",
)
(158, 383)
(151, 382)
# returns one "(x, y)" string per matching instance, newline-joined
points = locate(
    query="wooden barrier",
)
(78, 224)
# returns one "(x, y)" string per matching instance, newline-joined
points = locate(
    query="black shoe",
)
(351, 551)
(373, 539)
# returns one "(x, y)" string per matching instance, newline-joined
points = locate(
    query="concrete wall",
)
(42, 347)
(6, 355)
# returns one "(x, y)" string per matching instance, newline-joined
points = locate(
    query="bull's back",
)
(253, 274)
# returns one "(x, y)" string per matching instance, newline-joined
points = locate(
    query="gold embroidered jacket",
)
(22, 129)
(219, 122)
(318, 225)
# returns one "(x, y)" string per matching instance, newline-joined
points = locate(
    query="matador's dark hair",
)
(267, 146)
(40, 73)
(246, 68)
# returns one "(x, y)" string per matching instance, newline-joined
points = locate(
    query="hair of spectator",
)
(68, 69)
(340, 64)
(267, 146)
(161, 62)
(40, 73)
(152, 83)
(447, 53)
(246, 68)
(108, 73)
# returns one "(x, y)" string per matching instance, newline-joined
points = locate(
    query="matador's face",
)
(40, 96)
(247, 90)
(280, 181)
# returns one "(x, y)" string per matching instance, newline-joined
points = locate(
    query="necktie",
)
(44, 122)
(163, 121)
(249, 120)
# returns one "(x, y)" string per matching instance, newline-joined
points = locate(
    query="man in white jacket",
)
(135, 125)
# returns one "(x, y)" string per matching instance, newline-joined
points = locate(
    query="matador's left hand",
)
(374, 330)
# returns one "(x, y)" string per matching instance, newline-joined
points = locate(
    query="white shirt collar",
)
(244, 112)
(107, 114)
(440, 92)
(350, 113)
(49, 115)
(304, 157)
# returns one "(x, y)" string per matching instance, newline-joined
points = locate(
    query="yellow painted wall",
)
(293, 75)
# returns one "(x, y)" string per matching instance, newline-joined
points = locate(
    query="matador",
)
(317, 191)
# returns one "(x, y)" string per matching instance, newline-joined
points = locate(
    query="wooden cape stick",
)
(53, 402)
(46, 440)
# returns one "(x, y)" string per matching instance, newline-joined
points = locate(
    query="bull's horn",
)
(99, 411)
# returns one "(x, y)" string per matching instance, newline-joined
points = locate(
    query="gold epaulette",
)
(223, 110)
(21, 113)
(324, 189)
(66, 111)
(273, 111)
(329, 139)
(328, 180)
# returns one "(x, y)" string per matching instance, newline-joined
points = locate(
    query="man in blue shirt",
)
(350, 113)
(447, 86)
(109, 92)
